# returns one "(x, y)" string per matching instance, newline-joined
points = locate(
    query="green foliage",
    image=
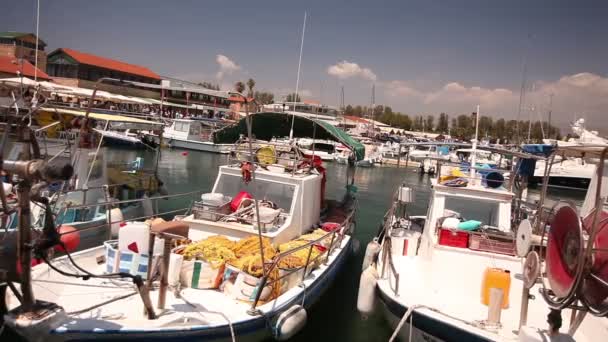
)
(461, 126)
(293, 98)
(263, 97)
(239, 87)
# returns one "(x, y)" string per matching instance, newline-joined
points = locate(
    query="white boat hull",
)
(199, 146)
(251, 328)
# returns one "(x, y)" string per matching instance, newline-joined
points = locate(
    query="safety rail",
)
(240, 154)
(345, 229)
(387, 255)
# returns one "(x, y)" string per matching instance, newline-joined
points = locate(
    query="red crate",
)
(453, 238)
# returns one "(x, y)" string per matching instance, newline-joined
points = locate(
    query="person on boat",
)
(554, 318)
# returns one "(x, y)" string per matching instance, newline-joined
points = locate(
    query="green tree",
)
(250, 85)
(263, 97)
(293, 97)
(429, 123)
(239, 87)
(442, 123)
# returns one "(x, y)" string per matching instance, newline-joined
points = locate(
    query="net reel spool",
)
(564, 256)
(594, 287)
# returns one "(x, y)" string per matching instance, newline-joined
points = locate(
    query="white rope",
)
(232, 335)
(407, 314)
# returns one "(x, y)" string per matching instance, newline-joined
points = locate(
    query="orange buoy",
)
(70, 237)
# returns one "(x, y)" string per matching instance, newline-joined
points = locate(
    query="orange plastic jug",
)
(499, 279)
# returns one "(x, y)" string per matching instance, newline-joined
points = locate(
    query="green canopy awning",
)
(268, 125)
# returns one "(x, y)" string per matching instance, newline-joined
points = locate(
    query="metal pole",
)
(295, 97)
(399, 156)
(23, 248)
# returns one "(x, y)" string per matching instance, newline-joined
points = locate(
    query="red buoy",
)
(70, 237)
(185, 153)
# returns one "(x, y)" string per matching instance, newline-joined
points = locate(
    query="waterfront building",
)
(20, 45)
(14, 67)
(79, 69)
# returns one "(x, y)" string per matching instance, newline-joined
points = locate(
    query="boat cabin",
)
(186, 129)
(295, 197)
(490, 206)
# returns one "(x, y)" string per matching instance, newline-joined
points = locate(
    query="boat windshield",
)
(469, 209)
(324, 147)
(280, 193)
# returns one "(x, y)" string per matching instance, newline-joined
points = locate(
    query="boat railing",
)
(286, 155)
(387, 255)
(114, 203)
(336, 238)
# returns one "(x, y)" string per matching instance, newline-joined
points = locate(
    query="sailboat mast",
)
(295, 97)
(474, 154)
(37, 39)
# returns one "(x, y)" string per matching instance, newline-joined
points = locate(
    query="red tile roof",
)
(239, 99)
(355, 118)
(11, 65)
(102, 62)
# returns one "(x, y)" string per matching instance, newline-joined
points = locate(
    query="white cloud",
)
(346, 69)
(280, 93)
(227, 66)
(579, 95)
(401, 88)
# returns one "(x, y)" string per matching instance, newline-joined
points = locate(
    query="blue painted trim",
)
(430, 325)
(260, 324)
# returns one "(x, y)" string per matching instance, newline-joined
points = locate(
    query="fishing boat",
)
(130, 186)
(456, 274)
(286, 208)
(194, 135)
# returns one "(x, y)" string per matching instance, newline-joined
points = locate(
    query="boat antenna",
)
(37, 39)
(550, 112)
(295, 97)
(473, 156)
(522, 90)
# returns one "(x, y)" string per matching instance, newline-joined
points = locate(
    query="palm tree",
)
(250, 85)
(239, 87)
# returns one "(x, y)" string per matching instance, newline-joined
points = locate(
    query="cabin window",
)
(280, 193)
(470, 209)
(181, 126)
(195, 129)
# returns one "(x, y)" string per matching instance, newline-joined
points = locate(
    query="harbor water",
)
(335, 316)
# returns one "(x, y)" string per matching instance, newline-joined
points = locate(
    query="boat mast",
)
(37, 39)
(473, 156)
(295, 97)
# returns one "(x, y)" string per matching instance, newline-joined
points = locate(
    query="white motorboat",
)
(570, 172)
(193, 135)
(440, 278)
(325, 149)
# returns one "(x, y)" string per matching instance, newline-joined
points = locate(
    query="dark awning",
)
(268, 125)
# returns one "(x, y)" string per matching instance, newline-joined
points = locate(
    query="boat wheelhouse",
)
(195, 135)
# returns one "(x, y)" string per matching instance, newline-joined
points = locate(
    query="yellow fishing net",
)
(215, 250)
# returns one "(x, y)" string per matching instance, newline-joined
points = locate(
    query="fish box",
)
(125, 261)
(211, 212)
(453, 238)
(492, 244)
(199, 274)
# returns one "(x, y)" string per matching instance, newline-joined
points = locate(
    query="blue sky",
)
(425, 57)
